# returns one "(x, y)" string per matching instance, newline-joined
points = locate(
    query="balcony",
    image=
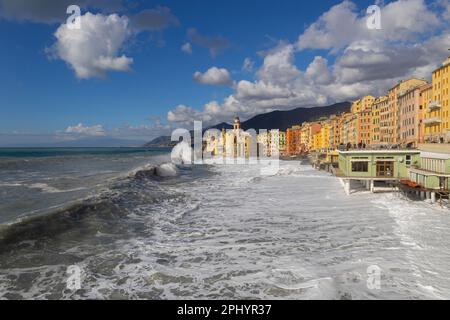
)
(434, 105)
(432, 121)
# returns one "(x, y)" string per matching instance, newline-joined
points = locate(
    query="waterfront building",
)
(282, 142)
(305, 136)
(411, 114)
(439, 105)
(315, 132)
(377, 164)
(386, 123)
(263, 139)
(362, 104)
(343, 128)
(393, 112)
(433, 168)
(325, 135)
(379, 104)
(432, 117)
(364, 123)
(236, 142)
(293, 145)
(335, 136)
(370, 166)
(353, 128)
(274, 142)
(316, 141)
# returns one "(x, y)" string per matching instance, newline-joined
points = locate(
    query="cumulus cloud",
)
(261, 90)
(215, 44)
(319, 72)
(143, 132)
(182, 114)
(214, 76)
(414, 40)
(94, 49)
(187, 48)
(278, 66)
(342, 25)
(80, 129)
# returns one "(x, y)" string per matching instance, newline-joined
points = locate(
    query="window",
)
(408, 160)
(360, 166)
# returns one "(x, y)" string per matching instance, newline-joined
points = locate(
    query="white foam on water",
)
(418, 225)
(166, 170)
(237, 234)
(49, 189)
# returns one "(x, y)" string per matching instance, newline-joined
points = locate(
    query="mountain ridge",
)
(276, 119)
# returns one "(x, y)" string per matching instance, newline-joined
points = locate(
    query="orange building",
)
(364, 126)
(293, 140)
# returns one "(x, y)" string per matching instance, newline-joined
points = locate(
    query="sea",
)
(129, 224)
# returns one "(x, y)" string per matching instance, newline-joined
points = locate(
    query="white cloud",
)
(80, 129)
(342, 25)
(318, 71)
(363, 62)
(214, 76)
(94, 49)
(278, 66)
(187, 48)
(181, 114)
(260, 90)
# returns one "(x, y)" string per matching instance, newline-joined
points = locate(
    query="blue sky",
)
(43, 98)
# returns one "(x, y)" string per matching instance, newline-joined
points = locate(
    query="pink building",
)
(410, 116)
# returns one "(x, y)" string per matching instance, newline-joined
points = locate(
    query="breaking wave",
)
(113, 201)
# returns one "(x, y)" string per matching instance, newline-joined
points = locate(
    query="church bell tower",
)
(237, 124)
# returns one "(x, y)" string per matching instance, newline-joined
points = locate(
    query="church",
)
(232, 143)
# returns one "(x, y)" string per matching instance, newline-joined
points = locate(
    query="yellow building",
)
(326, 136)
(316, 141)
(315, 138)
(282, 142)
(237, 141)
(431, 123)
(334, 131)
(305, 136)
(379, 103)
(438, 108)
(362, 104)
